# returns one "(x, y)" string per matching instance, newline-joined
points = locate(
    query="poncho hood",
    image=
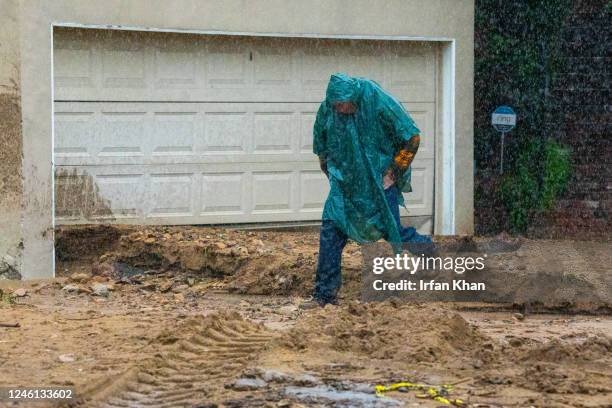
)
(342, 88)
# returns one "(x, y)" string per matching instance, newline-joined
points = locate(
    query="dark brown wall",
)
(585, 93)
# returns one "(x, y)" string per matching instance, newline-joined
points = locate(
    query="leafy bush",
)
(534, 186)
(557, 169)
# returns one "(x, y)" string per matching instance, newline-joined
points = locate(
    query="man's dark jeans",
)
(332, 241)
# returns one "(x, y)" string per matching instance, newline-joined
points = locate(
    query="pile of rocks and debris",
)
(248, 262)
(568, 276)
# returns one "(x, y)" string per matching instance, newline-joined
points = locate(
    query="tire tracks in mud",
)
(192, 370)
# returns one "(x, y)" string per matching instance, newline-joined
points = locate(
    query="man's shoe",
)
(314, 303)
(310, 304)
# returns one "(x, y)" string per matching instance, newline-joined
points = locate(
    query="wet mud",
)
(533, 275)
(142, 318)
(189, 346)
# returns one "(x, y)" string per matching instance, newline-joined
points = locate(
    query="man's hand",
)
(388, 179)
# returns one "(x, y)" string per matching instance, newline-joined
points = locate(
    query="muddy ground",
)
(201, 317)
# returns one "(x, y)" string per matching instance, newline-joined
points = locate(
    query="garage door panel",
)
(195, 194)
(74, 68)
(122, 68)
(412, 76)
(171, 195)
(226, 132)
(223, 193)
(107, 133)
(122, 194)
(175, 69)
(274, 132)
(73, 134)
(159, 139)
(313, 190)
(272, 191)
(160, 128)
(101, 66)
(424, 117)
(188, 193)
(174, 133)
(420, 200)
(307, 120)
(273, 66)
(146, 133)
(227, 69)
(118, 135)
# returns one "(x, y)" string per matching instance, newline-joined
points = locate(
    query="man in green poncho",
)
(366, 142)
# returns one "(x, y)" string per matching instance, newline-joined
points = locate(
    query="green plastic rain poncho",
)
(359, 148)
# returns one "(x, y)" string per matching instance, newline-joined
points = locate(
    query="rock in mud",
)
(288, 310)
(356, 308)
(8, 268)
(21, 292)
(180, 288)
(248, 384)
(149, 286)
(79, 277)
(103, 269)
(165, 286)
(275, 376)
(100, 289)
(72, 288)
(67, 358)
(307, 380)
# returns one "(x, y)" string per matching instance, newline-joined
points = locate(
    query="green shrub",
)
(557, 170)
(540, 174)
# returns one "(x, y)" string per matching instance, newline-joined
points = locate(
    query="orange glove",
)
(403, 159)
(405, 156)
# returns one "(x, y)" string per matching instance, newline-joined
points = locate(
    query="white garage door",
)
(159, 128)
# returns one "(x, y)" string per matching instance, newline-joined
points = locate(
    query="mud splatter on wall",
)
(10, 154)
(77, 197)
(10, 181)
(11, 148)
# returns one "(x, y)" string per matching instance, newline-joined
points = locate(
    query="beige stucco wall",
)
(450, 19)
(10, 141)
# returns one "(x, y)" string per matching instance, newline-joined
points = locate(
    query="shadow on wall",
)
(77, 198)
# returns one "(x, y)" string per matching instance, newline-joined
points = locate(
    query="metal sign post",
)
(503, 120)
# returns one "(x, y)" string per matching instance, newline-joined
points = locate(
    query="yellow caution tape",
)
(438, 394)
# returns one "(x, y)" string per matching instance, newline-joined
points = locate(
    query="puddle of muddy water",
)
(357, 397)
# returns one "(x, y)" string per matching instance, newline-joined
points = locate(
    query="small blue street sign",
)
(503, 120)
